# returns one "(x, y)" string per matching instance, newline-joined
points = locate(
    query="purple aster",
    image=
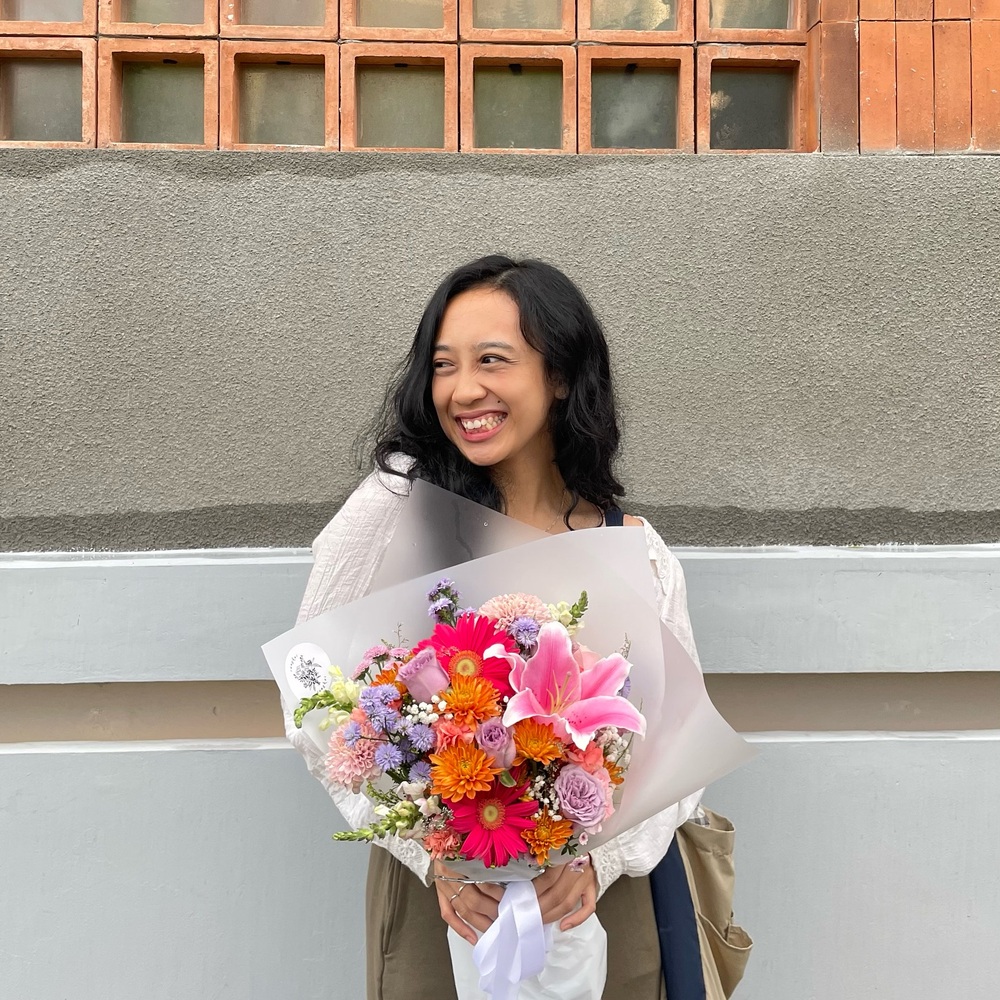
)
(421, 771)
(376, 702)
(388, 756)
(442, 587)
(444, 604)
(422, 737)
(352, 733)
(524, 631)
(626, 687)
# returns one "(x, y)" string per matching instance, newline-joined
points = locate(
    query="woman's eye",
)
(492, 358)
(439, 364)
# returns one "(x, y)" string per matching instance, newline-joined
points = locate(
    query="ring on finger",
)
(456, 895)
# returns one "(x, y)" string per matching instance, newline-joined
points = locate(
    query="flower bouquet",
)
(495, 739)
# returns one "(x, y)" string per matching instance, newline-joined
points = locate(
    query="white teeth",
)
(482, 423)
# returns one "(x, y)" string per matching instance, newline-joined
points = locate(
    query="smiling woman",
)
(506, 398)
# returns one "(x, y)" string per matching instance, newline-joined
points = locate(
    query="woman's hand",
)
(565, 892)
(465, 905)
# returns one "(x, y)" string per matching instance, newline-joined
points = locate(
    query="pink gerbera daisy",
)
(493, 822)
(469, 648)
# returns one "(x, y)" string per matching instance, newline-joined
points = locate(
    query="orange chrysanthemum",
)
(536, 741)
(388, 676)
(471, 700)
(548, 834)
(460, 771)
(616, 773)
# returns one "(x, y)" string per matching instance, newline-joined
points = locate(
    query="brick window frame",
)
(112, 52)
(349, 28)
(753, 56)
(233, 52)
(374, 53)
(679, 56)
(563, 56)
(87, 25)
(682, 34)
(566, 32)
(231, 27)
(33, 47)
(109, 23)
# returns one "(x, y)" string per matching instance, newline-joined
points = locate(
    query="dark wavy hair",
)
(557, 321)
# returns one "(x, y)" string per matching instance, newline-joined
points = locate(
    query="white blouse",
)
(347, 554)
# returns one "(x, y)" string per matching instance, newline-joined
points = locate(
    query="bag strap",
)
(614, 517)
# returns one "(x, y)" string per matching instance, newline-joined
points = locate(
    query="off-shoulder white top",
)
(347, 553)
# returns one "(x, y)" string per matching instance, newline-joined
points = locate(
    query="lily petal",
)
(523, 705)
(585, 717)
(552, 673)
(605, 677)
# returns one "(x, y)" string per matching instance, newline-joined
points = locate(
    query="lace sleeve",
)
(639, 850)
(347, 553)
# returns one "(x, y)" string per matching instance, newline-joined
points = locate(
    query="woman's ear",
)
(562, 391)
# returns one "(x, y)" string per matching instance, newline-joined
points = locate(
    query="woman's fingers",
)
(568, 892)
(465, 905)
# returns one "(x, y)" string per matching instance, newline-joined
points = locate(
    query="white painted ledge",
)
(202, 615)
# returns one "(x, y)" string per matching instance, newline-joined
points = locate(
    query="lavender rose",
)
(493, 737)
(583, 797)
(423, 676)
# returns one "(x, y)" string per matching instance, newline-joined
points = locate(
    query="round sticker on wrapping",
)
(307, 668)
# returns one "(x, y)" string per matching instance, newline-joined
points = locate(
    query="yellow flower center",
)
(491, 814)
(466, 663)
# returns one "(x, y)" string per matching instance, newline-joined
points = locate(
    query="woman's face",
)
(489, 385)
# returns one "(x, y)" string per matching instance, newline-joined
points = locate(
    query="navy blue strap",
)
(614, 517)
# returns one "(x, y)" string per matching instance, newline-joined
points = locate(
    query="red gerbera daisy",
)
(461, 649)
(494, 822)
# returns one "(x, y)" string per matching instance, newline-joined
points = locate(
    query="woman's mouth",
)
(480, 428)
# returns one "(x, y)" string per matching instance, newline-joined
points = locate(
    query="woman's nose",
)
(468, 388)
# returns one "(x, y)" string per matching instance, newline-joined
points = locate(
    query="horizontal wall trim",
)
(198, 615)
(149, 710)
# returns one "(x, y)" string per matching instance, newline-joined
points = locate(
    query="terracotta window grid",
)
(566, 32)
(110, 23)
(33, 47)
(230, 25)
(682, 32)
(562, 56)
(680, 57)
(794, 34)
(112, 53)
(233, 54)
(791, 57)
(87, 25)
(355, 54)
(349, 28)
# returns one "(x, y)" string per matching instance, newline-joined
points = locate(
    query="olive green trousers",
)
(407, 942)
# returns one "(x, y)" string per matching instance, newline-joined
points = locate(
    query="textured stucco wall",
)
(807, 346)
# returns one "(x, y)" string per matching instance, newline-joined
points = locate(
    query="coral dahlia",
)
(494, 823)
(471, 700)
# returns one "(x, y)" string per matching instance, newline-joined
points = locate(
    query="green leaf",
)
(506, 779)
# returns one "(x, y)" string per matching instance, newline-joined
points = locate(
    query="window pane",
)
(163, 103)
(749, 13)
(282, 105)
(401, 13)
(400, 106)
(163, 11)
(518, 107)
(41, 100)
(633, 107)
(42, 10)
(517, 13)
(752, 108)
(302, 13)
(633, 15)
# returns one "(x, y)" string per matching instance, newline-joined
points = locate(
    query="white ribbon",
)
(514, 947)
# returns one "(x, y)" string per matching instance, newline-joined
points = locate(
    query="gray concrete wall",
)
(806, 345)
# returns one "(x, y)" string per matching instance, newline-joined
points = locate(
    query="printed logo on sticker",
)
(308, 668)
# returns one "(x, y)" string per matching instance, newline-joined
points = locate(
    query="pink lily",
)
(576, 700)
